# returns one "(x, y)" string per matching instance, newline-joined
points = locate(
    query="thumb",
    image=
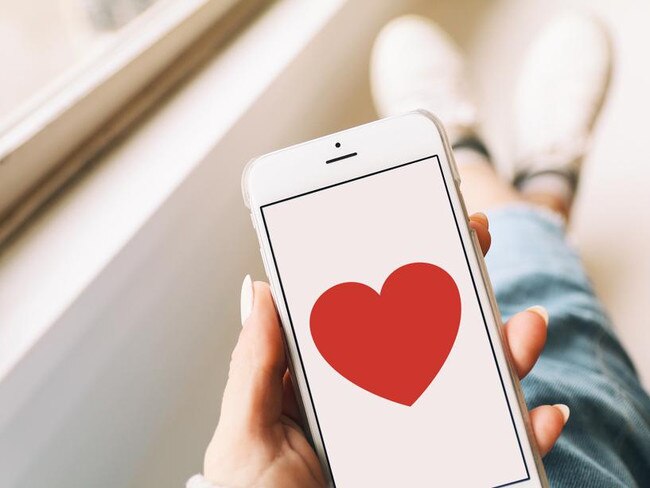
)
(252, 399)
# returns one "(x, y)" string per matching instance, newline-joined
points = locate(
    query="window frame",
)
(70, 122)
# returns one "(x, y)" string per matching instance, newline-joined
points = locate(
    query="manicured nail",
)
(482, 217)
(541, 311)
(564, 410)
(246, 302)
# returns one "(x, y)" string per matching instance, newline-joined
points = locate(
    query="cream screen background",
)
(459, 432)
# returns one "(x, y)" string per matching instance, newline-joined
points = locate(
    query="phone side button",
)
(462, 201)
(265, 263)
(267, 269)
(454, 169)
(486, 277)
(477, 246)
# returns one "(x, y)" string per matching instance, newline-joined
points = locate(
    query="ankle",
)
(481, 186)
(551, 202)
(465, 156)
(553, 189)
(470, 149)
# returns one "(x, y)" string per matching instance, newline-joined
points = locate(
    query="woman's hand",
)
(259, 441)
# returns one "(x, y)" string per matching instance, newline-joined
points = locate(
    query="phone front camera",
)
(338, 144)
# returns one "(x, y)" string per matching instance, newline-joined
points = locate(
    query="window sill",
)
(53, 262)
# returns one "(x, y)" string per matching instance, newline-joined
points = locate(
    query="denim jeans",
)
(606, 442)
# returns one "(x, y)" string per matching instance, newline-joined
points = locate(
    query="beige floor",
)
(612, 217)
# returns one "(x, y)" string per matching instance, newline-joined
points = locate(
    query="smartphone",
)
(391, 327)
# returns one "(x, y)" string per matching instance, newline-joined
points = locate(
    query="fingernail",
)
(482, 217)
(246, 301)
(564, 410)
(541, 311)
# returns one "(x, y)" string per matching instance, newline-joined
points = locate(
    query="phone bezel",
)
(379, 145)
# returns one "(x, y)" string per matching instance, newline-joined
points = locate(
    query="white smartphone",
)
(392, 331)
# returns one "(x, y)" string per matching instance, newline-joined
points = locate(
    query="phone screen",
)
(392, 338)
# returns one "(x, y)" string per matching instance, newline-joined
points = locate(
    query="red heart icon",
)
(393, 343)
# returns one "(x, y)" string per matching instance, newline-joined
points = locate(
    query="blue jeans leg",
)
(606, 442)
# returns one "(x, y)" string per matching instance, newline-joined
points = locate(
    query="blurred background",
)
(46, 44)
(131, 396)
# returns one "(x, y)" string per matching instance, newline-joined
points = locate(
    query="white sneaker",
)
(561, 89)
(415, 64)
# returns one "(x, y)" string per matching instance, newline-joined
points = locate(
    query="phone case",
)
(482, 272)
